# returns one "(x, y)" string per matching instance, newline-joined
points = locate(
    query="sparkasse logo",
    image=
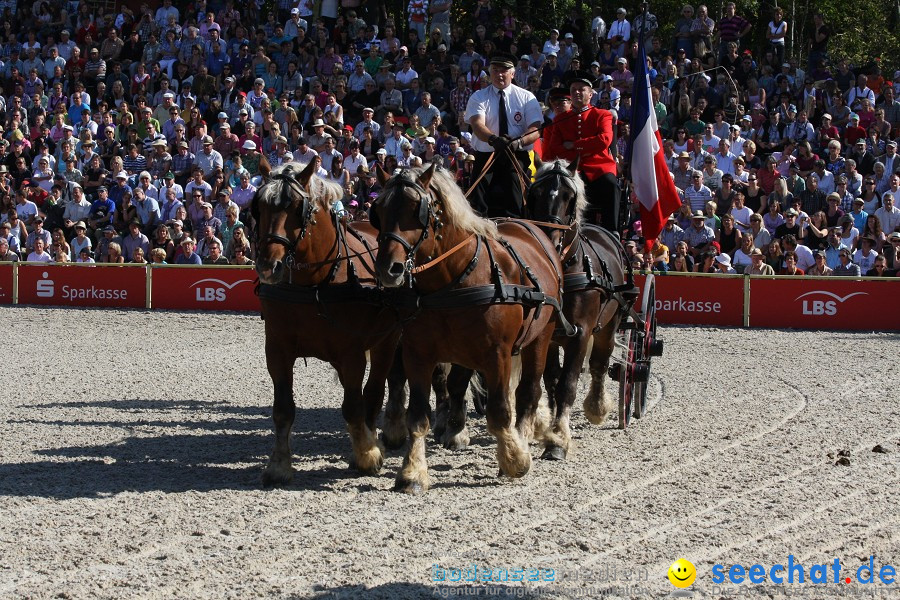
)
(215, 290)
(45, 288)
(824, 307)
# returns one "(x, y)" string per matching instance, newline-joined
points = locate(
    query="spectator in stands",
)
(699, 235)
(7, 255)
(865, 256)
(820, 269)
(188, 256)
(790, 264)
(846, 268)
(758, 265)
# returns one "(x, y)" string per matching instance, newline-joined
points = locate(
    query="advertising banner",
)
(119, 286)
(830, 304)
(689, 300)
(6, 283)
(203, 288)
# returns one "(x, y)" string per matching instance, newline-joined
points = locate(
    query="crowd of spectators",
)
(139, 136)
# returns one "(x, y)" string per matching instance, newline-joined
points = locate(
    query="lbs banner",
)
(828, 304)
(203, 288)
(119, 286)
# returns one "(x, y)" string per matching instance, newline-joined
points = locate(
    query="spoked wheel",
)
(623, 372)
(649, 346)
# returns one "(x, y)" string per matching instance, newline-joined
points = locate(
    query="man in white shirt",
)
(888, 214)
(503, 118)
(355, 160)
(304, 154)
(724, 157)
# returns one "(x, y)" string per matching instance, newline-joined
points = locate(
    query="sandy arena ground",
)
(133, 443)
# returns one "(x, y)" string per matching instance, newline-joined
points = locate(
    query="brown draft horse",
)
(597, 281)
(480, 292)
(317, 279)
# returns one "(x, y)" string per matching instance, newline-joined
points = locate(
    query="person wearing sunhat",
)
(758, 265)
(586, 133)
(505, 121)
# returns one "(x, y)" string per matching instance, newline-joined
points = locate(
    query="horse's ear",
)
(573, 166)
(307, 173)
(381, 175)
(264, 167)
(425, 178)
(538, 163)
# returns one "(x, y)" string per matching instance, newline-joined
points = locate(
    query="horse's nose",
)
(396, 269)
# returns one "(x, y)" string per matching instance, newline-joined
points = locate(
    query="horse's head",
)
(556, 196)
(283, 210)
(404, 215)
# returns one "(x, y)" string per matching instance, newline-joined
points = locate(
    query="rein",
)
(447, 254)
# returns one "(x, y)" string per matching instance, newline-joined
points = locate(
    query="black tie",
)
(504, 118)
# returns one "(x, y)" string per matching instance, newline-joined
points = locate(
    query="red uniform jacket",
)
(591, 132)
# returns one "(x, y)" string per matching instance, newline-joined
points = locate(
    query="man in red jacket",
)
(586, 132)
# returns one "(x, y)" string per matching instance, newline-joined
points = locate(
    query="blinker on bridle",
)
(306, 212)
(427, 216)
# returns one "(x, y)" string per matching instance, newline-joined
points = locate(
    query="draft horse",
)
(599, 291)
(474, 293)
(319, 299)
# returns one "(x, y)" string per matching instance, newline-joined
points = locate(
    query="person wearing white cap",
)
(619, 32)
(723, 263)
(295, 23)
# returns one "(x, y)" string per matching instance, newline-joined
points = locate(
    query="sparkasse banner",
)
(692, 300)
(120, 286)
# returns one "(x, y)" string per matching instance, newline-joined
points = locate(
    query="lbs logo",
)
(824, 307)
(215, 290)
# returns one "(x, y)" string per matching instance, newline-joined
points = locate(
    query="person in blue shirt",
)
(102, 211)
(188, 256)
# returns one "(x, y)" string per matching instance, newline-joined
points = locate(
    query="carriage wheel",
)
(648, 346)
(624, 374)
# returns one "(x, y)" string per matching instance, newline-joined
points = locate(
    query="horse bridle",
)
(306, 212)
(426, 216)
(557, 172)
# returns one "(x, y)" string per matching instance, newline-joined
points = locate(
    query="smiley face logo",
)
(682, 573)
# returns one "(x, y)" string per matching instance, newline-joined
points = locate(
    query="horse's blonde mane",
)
(455, 205)
(324, 192)
(575, 182)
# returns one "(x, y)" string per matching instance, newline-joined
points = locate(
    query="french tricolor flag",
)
(652, 183)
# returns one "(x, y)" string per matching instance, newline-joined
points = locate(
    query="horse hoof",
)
(392, 443)
(457, 442)
(273, 477)
(372, 467)
(554, 453)
(413, 488)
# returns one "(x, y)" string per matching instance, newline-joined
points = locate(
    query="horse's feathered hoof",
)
(413, 488)
(554, 453)
(276, 477)
(393, 443)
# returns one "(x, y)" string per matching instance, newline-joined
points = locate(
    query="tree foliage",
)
(863, 30)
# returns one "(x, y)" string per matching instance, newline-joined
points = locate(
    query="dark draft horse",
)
(597, 280)
(317, 281)
(454, 263)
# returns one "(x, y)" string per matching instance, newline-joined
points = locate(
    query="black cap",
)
(504, 59)
(584, 77)
(559, 93)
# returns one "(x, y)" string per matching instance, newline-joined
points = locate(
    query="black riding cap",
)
(504, 59)
(584, 77)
